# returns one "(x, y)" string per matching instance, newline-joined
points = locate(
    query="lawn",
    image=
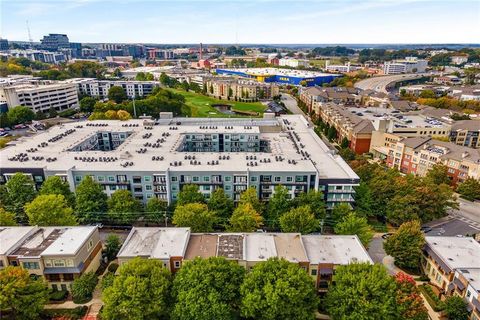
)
(201, 105)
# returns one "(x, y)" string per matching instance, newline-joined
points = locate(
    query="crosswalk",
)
(470, 222)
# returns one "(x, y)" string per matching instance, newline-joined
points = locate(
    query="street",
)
(381, 83)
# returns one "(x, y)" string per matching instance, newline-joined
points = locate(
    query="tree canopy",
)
(91, 200)
(469, 189)
(251, 196)
(20, 114)
(245, 219)
(141, 290)
(207, 289)
(362, 291)
(117, 94)
(353, 224)
(123, 207)
(55, 185)
(456, 308)
(278, 289)
(19, 190)
(220, 203)
(300, 219)
(195, 216)
(50, 210)
(406, 245)
(278, 204)
(314, 199)
(21, 296)
(410, 303)
(190, 194)
(7, 218)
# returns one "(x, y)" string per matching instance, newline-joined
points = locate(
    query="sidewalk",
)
(391, 267)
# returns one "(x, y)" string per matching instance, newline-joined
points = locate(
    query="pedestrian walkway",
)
(388, 262)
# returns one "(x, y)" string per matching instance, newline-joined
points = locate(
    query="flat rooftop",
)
(305, 153)
(12, 236)
(455, 252)
(472, 275)
(70, 241)
(337, 249)
(283, 72)
(159, 243)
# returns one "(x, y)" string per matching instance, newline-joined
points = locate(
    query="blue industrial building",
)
(286, 76)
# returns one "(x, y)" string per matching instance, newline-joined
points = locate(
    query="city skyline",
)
(266, 22)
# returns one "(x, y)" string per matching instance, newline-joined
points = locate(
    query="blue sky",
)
(244, 21)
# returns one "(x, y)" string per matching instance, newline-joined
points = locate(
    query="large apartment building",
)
(157, 159)
(338, 95)
(58, 254)
(407, 65)
(452, 265)
(318, 255)
(466, 133)
(418, 155)
(40, 97)
(234, 89)
(99, 88)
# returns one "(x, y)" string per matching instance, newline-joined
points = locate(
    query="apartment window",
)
(174, 179)
(149, 195)
(59, 263)
(228, 188)
(228, 179)
(313, 272)
(177, 264)
(137, 189)
(111, 178)
(469, 294)
(78, 178)
(31, 265)
(289, 179)
(253, 179)
(137, 179)
(100, 178)
(147, 178)
(148, 187)
(38, 178)
(206, 178)
(206, 188)
(195, 179)
(278, 179)
(48, 263)
(69, 262)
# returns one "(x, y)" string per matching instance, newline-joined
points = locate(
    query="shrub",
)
(82, 287)
(107, 280)
(56, 295)
(434, 301)
(113, 267)
(72, 314)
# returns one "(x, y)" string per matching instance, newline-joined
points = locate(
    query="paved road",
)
(375, 249)
(468, 212)
(291, 104)
(381, 83)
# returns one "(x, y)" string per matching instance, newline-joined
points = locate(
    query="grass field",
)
(201, 105)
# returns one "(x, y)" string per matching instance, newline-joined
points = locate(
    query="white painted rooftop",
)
(336, 249)
(70, 241)
(456, 252)
(259, 246)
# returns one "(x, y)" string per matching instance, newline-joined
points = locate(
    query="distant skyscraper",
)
(54, 41)
(3, 44)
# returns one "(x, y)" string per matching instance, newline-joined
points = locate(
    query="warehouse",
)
(286, 76)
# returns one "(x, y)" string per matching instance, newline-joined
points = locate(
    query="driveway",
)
(375, 249)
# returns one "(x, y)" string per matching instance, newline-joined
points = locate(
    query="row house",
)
(57, 254)
(418, 155)
(357, 130)
(452, 265)
(337, 95)
(318, 255)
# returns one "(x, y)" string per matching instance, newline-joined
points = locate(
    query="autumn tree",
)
(245, 219)
(469, 189)
(410, 303)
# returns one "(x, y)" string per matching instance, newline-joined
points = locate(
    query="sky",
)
(245, 21)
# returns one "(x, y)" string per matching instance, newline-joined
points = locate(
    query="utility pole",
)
(29, 35)
(134, 108)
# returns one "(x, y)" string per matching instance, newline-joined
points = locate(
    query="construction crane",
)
(29, 35)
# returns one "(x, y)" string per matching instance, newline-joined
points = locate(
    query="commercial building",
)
(3, 44)
(459, 59)
(237, 89)
(293, 63)
(407, 65)
(465, 93)
(466, 133)
(158, 160)
(99, 88)
(160, 54)
(39, 55)
(451, 263)
(282, 76)
(55, 41)
(318, 255)
(418, 155)
(343, 68)
(58, 254)
(40, 97)
(417, 89)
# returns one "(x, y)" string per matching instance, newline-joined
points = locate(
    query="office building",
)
(281, 76)
(39, 55)
(40, 97)
(158, 160)
(293, 63)
(3, 44)
(57, 254)
(55, 41)
(99, 88)
(346, 68)
(407, 65)
(318, 255)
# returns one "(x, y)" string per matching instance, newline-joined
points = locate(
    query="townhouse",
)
(318, 255)
(452, 264)
(338, 95)
(58, 254)
(418, 155)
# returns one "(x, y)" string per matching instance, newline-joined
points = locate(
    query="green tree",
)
(123, 207)
(20, 114)
(91, 200)
(406, 245)
(456, 308)
(117, 94)
(50, 210)
(469, 189)
(251, 196)
(314, 199)
(340, 211)
(278, 289)
(245, 219)
(332, 133)
(207, 289)
(112, 246)
(20, 190)
(220, 203)
(190, 194)
(7, 218)
(21, 296)
(299, 219)
(196, 216)
(83, 287)
(409, 301)
(438, 174)
(156, 210)
(345, 143)
(55, 185)
(141, 291)
(353, 224)
(363, 200)
(362, 291)
(278, 204)
(87, 104)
